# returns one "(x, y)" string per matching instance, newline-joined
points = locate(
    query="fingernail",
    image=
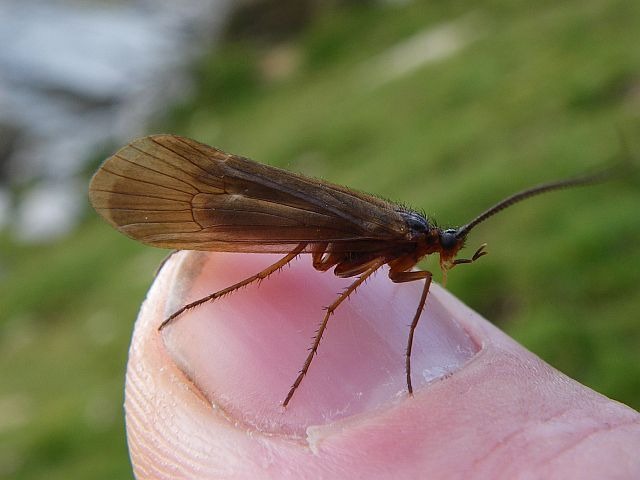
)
(244, 351)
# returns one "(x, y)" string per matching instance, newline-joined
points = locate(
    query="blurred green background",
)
(444, 106)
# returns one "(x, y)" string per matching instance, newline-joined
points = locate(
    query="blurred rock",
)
(74, 76)
(49, 211)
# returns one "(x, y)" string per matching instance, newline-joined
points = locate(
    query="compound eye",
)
(448, 239)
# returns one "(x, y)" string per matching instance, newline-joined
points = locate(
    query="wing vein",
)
(334, 192)
(157, 222)
(123, 194)
(172, 165)
(137, 180)
(311, 199)
(181, 180)
(150, 210)
(204, 172)
(194, 147)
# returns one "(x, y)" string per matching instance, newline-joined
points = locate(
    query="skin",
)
(203, 397)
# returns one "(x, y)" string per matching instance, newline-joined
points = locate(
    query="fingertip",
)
(204, 396)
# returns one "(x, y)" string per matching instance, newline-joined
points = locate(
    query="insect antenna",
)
(582, 180)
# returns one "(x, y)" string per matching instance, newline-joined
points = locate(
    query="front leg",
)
(402, 277)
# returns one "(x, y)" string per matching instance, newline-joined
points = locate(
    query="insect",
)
(174, 192)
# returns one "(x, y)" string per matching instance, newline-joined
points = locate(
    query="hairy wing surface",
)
(172, 192)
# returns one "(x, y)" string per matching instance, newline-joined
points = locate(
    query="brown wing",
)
(173, 192)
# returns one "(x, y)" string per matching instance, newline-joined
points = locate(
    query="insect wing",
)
(172, 192)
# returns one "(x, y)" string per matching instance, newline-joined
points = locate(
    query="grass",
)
(537, 94)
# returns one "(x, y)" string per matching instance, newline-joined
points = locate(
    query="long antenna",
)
(537, 190)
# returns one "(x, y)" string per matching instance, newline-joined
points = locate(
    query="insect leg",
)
(323, 325)
(400, 277)
(258, 276)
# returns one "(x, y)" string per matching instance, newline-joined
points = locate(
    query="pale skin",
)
(204, 395)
